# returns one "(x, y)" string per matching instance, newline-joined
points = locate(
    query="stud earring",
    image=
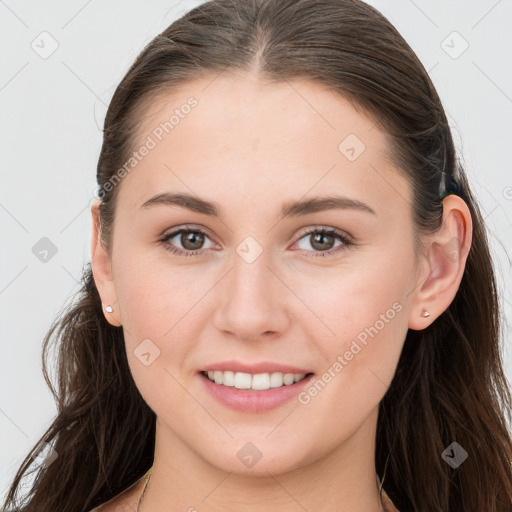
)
(109, 309)
(425, 313)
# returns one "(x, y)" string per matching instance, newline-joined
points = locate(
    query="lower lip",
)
(247, 400)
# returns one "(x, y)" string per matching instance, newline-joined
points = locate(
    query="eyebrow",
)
(288, 209)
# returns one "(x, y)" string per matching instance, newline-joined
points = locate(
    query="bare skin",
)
(249, 147)
(124, 502)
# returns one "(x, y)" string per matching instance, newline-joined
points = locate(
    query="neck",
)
(344, 480)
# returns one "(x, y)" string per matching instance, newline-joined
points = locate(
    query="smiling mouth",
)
(254, 382)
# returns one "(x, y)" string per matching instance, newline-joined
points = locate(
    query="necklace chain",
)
(143, 492)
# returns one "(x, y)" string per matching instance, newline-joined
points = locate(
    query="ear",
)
(102, 269)
(445, 260)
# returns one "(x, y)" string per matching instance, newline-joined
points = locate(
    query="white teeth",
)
(258, 381)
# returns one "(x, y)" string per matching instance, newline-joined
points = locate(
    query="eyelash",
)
(347, 242)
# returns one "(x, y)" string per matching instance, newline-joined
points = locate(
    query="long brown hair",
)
(449, 384)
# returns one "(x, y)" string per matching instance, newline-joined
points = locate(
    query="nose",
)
(252, 300)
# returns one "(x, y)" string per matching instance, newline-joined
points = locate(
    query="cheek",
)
(155, 319)
(361, 354)
(153, 296)
(160, 307)
(360, 322)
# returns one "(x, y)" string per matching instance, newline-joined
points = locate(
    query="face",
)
(258, 282)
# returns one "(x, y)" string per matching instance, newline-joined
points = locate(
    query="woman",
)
(291, 301)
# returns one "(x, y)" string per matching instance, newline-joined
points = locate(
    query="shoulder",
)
(115, 505)
(106, 507)
(388, 504)
(127, 500)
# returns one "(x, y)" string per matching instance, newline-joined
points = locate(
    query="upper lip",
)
(261, 367)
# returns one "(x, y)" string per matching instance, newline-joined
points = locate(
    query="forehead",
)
(238, 135)
(238, 107)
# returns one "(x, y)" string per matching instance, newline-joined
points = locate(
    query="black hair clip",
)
(452, 187)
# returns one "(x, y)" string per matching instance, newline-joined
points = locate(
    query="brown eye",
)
(322, 241)
(191, 241)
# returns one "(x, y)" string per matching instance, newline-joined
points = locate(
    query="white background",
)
(52, 112)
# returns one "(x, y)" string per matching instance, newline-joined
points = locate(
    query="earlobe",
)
(102, 270)
(446, 256)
